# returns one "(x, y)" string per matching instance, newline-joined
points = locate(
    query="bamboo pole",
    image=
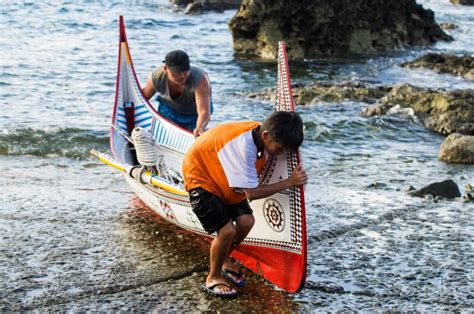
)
(146, 176)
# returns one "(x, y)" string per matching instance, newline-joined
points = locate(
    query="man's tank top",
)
(186, 102)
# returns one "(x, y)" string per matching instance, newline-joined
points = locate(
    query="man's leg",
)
(220, 246)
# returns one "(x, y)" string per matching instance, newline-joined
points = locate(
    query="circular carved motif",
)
(274, 215)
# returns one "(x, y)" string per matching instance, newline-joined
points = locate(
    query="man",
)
(185, 92)
(221, 175)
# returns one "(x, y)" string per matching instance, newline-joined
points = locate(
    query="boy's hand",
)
(299, 176)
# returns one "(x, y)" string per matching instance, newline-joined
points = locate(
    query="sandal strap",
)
(211, 287)
(234, 273)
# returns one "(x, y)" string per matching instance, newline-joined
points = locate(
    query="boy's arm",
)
(297, 178)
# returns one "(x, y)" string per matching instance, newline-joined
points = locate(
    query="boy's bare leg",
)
(219, 248)
(243, 225)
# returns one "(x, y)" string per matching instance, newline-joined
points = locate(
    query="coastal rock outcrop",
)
(328, 92)
(442, 112)
(445, 63)
(312, 28)
(199, 6)
(457, 148)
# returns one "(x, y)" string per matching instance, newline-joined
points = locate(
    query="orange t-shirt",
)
(222, 160)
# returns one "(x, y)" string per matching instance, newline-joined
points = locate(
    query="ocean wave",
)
(60, 142)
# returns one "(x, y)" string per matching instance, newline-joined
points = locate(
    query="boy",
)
(221, 175)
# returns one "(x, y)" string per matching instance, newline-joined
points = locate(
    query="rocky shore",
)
(445, 63)
(447, 113)
(440, 111)
(328, 92)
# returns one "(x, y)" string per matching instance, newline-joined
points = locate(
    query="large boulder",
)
(312, 28)
(457, 148)
(442, 112)
(445, 63)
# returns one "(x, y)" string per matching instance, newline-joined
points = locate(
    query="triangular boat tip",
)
(123, 37)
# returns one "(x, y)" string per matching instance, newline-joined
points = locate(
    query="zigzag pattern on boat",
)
(284, 95)
(285, 102)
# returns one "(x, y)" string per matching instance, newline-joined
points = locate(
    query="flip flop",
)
(211, 290)
(231, 275)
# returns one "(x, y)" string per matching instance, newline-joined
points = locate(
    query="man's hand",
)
(299, 176)
(197, 132)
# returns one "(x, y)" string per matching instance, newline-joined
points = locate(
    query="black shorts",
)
(212, 212)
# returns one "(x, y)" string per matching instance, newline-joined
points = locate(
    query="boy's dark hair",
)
(285, 127)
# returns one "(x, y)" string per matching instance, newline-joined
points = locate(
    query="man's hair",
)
(177, 61)
(286, 128)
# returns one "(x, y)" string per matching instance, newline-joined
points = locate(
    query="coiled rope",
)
(149, 154)
(145, 147)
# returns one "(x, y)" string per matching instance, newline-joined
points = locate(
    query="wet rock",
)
(445, 63)
(376, 185)
(366, 293)
(410, 188)
(325, 286)
(463, 2)
(199, 6)
(448, 189)
(312, 28)
(468, 188)
(442, 112)
(448, 26)
(457, 148)
(410, 277)
(328, 92)
(324, 92)
(468, 197)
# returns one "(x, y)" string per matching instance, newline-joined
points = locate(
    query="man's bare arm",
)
(149, 89)
(203, 105)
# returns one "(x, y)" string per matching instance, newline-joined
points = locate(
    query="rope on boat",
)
(149, 154)
(145, 148)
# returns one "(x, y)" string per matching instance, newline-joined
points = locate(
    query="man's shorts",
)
(187, 121)
(212, 212)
